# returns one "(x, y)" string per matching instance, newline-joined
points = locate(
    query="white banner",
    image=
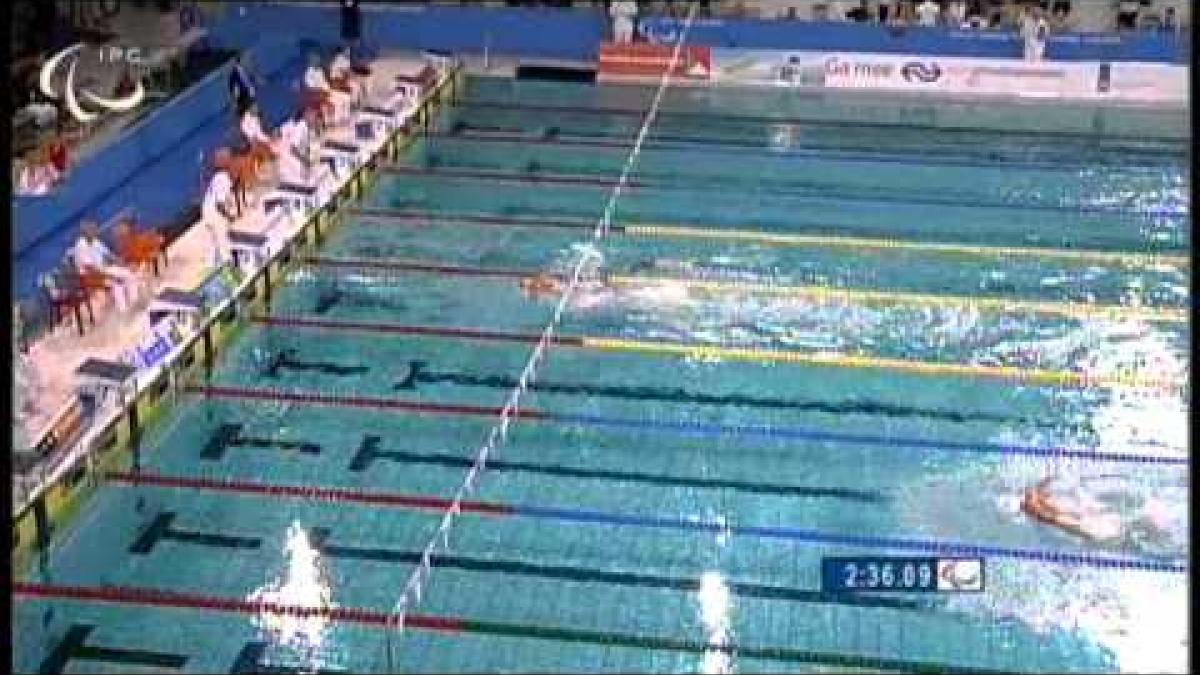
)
(768, 67)
(1133, 82)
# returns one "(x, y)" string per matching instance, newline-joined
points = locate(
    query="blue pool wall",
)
(157, 165)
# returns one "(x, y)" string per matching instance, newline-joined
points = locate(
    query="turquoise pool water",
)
(591, 562)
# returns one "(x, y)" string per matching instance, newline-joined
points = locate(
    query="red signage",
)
(643, 60)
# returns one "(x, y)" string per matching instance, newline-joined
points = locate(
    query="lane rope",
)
(695, 428)
(828, 293)
(1018, 374)
(1076, 310)
(780, 239)
(410, 595)
(153, 597)
(1171, 564)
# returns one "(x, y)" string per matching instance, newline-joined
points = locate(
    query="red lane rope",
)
(402, 329)
(307, 492)
(126, 595)
(405, 265)
(354, 401)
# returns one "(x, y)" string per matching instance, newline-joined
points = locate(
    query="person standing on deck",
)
(1035, 30)
(624, 13)
(241, 86)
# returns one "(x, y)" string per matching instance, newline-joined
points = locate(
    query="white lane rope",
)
(413, 589)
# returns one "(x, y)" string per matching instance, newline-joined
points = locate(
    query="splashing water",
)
(715, 609)
(303, 583)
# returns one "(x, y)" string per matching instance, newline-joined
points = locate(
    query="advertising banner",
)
(1012, 77)
(768, 67)
(648, 61)
(1148, 82)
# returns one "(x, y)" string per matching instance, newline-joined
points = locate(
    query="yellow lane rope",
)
(1078, 310)
(861, 243)
(1059, 378)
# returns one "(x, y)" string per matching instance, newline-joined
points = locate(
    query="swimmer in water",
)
(542, 285)
(1096, 526)
(1038, 504)
(595, 293)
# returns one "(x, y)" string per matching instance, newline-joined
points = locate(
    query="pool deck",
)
(54, 356)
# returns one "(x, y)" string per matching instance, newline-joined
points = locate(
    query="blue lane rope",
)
(948, 548)
(800, 433)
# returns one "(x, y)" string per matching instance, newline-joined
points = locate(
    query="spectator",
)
(1060, 21)
(837, 11)
(216, 212)
(956, 14)
(1127, 14)
(93, 257)
(906, 13)
(1169, 22)
(241, 85)
(38, 175)
(885, 12)
(624, 14)
(1035, 30)
(58, 155)
(975, 13)
(927, 13)
(860, 14)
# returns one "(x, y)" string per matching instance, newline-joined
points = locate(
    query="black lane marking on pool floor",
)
(419, 373)
(162, 528)
(369, 451)
(230, 436)
(152, 597)
(74, 646)
(533, 173)
(285, 359)
(319, 539)
(1090, 137)
(914, 155)
(249, 661)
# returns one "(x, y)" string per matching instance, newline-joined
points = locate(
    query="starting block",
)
(182, 306)
(249, 250)
(105, 382)
(340, 155)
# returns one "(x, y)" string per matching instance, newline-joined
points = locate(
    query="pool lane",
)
(527, 194)
(983, 185)
(166, 551)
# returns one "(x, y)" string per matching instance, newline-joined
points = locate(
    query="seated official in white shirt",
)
(315, 81)
(92, 256)
(216, 212)
(263, 148)
(295, 156)
(343, 78)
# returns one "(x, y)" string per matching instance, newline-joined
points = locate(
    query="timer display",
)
(904, 574)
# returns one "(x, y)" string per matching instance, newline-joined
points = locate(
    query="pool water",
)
(667, 512)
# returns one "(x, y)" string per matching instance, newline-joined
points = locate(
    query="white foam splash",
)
(302, 584)
(715, 609)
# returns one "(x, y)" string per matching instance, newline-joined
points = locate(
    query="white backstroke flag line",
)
(411, 594)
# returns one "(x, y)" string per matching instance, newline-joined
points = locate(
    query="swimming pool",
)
(713, 420)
